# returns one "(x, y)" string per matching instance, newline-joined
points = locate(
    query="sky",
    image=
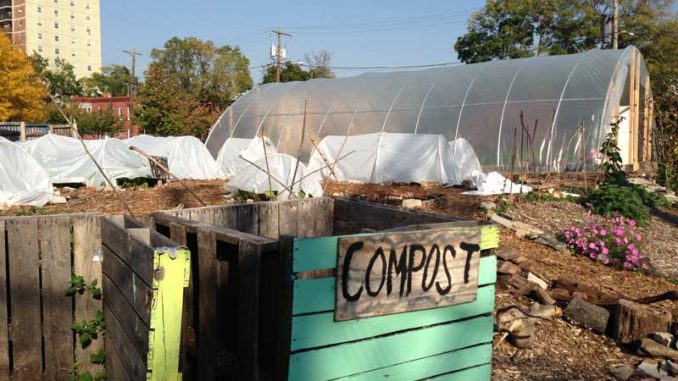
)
(357, 33)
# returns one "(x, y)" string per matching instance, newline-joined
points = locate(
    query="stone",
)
(663, 338)
(649, 368)
(537, 280)
(505, 222)
(622, 372)
(654, 349)
(412, 203)
(670, 367)
(58, 199)
(488, 205)
(551, 241)
(524, 230)
(430, 203)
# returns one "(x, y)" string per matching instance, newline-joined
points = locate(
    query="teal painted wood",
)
(365, 355)
(432, 366)
(309, 331)
(318, 295)
(314, 253)
(483, 372)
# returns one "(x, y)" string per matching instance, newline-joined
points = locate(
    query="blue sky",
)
(357, 33)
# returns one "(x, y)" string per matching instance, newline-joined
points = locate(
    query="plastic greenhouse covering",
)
(229, 156)
(567, 103)
(23, 180)
(187, 157)
(65, 160)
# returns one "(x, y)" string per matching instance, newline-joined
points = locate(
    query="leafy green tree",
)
(211, 74)
(60, 77)
(165, 108)
(99, 122)
(288, 72)
(113, 80)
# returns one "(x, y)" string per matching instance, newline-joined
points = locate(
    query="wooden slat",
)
(481, 372)
(133, 289)
(249, 259)
(55, 251)
(324, 217)
(4, 333)
(284, 307)
(268, 220)
(135, 254)
(24, 288)
(316, 330)
(248, 218)
(226, 217)
(317, 295)
(207, 300)
(369, 354)
(381, 217)
(306, 221)
(87, 240)
(135, 328)
(288, 215)
(130, 358)
(445, 363)
(115, 369)
(202, 215)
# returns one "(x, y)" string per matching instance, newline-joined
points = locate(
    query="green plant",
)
(32, 211)
(89, 329)
(502, 207)
(542, 197)
(612, 162)
(612, 199)
(78, 285)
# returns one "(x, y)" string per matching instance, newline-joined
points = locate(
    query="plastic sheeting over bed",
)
(22, 180)
(480, 102)
(187, 157)
(65, 160)
(229, 157)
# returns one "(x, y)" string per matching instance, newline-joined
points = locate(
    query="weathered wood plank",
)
(324, 217)
(381, 217)
(315, 330)
(135, 328)
(24, 288)
(288, 217)
(374, 272)
(248, 218)
(86, 241)
(226, 217)
(202, 215)
(306, 219)
(445, 363)
(55, 251)
(135, 254)
(135, 291)
(366, 355)
(249, 258)
(207, 300)
(115, 369)
(481, 372)
(317, 295)
(4, 333)
(133, 362)
(284, 307)
(268, 220)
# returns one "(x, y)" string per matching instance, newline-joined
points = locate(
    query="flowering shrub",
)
(612, 241)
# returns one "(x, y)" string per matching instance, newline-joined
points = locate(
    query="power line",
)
(367, 68)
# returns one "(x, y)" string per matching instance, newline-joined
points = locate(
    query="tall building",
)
(67, 29)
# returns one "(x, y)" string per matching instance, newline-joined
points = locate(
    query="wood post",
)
(632, 102)
(649, 114)
(22, 131)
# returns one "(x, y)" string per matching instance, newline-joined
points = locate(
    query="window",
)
(89, 67)
(39, 9)
(39, 23)
(72, 16)
(72, 28)
(72, 3)
(72, 41)
(56, 51)
(89, 32)
(56, 25)
(87, 17)
(73, 54)
(56, 13)
(87, 6)
(39, 36)
(39, 49)
(88, 43)
(120, 111)
(127, 113)
(56, 38)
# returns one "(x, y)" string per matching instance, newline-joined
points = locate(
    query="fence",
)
(21, 131)
(38, 255)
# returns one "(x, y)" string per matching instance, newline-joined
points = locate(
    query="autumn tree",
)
(318, 67)
(113, 80)
(21, 92)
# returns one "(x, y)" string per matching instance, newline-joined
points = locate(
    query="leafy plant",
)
(78, 285)
(502, 207)
(612, 162)
(542, 197)
(89, 329)
(609, 200)
(32, 211)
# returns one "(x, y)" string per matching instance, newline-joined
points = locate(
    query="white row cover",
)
(187, 157)
(281, 167)
(228, 158)
(22, 180)
(65, 160)
(381, 157)
(494, 183)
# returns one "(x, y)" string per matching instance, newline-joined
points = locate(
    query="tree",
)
(99, 123)
(21, 92)
(213, 75)
(113, 80)
(165, 108)
(319, 64)
(288, 72)
(60, 78)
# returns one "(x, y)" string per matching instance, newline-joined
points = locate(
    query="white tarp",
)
(187, 157)
(380, 157)
(281, 167)
(229, 160)
(22, 180)
(461, 161)
(494, 183)
(66, 161)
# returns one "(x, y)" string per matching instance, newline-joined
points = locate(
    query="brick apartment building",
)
(122, 107)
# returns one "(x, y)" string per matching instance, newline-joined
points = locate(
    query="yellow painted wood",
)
(489, 237)
(171, 276)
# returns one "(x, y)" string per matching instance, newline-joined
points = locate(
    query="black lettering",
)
(470, 249)
(411, 267)
(400, 267)
(345, 275)
(379, 253)
(434, 249)
(444, 291)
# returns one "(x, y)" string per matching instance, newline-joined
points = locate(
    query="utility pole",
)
(615, 24)
(278, 52)
(132, 88)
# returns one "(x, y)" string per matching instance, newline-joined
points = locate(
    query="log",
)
(517, 324)
(633, 321)
(652, 348)
(524, 287)
(506, 267)
(586, 314)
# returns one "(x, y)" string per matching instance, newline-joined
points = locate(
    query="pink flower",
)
(632, 222)
(605, 251)
(603, 232)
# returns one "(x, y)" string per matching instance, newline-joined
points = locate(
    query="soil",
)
(562, 351)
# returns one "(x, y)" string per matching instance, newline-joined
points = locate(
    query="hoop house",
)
(567, 103)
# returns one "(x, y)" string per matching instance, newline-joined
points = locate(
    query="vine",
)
(88, 330)
(612, 163)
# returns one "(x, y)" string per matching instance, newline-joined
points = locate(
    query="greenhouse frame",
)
(554, 110)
